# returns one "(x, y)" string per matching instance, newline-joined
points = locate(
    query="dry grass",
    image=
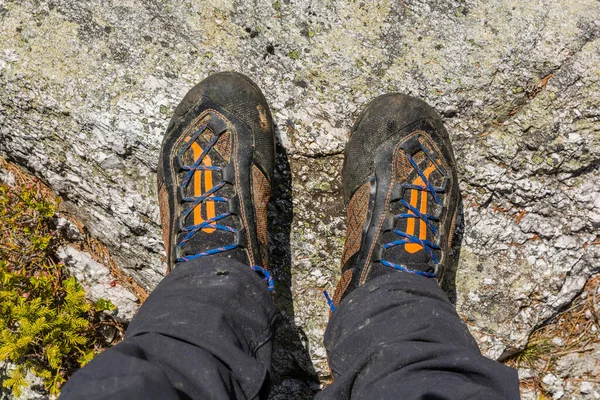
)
(25, 179)
(574, 329)
(100, 253)
(94, 247)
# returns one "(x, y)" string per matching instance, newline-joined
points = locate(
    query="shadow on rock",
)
(294, 376)
(448, 282)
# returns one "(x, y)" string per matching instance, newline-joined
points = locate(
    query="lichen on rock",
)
(87, 90)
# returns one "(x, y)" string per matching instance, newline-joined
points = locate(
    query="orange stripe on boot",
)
(414, 200)
(210, 206)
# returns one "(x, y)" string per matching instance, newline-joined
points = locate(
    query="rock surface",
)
(7, 177)
(97, 282)
(68, 230)
(87, 88)
(575, 376)
(35, 391)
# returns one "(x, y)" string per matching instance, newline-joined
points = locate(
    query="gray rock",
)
(525, 373)
(86, 90)
(586, 388)
(68, 229)
(7, 177)
(582, 369)
(35, 390)
(97, 281)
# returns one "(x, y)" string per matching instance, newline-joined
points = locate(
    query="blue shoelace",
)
(429, 219)
(208, 196)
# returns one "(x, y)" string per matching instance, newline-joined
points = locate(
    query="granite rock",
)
(87, 88)
(98, 282)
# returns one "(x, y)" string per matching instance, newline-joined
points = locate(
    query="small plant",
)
(534, 350)
(47, 327)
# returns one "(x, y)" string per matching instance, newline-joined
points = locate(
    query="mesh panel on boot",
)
(357, 213)
(262, 192)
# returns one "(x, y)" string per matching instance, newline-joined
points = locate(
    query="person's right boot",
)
(401, 190)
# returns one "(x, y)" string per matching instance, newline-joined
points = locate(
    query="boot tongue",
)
(201, 183)
(413, 255)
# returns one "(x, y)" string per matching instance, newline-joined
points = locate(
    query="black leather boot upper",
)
(401, 190)
(214, 172)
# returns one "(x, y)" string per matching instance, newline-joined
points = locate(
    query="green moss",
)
(277, 6)
(294, 54)
(47, 327)
(324, 186)
(536, 159)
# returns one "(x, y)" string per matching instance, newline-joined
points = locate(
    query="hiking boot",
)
(214, 174)
(401, 190)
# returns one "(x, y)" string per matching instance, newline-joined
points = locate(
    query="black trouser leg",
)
(203, 333)
(398, 337)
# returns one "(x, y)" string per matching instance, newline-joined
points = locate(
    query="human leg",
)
(398, 336)
(204, 332)
(394, 334)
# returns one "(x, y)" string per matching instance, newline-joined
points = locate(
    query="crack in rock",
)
(86, 91)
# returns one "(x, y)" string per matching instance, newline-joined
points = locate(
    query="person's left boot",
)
(214, 173)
